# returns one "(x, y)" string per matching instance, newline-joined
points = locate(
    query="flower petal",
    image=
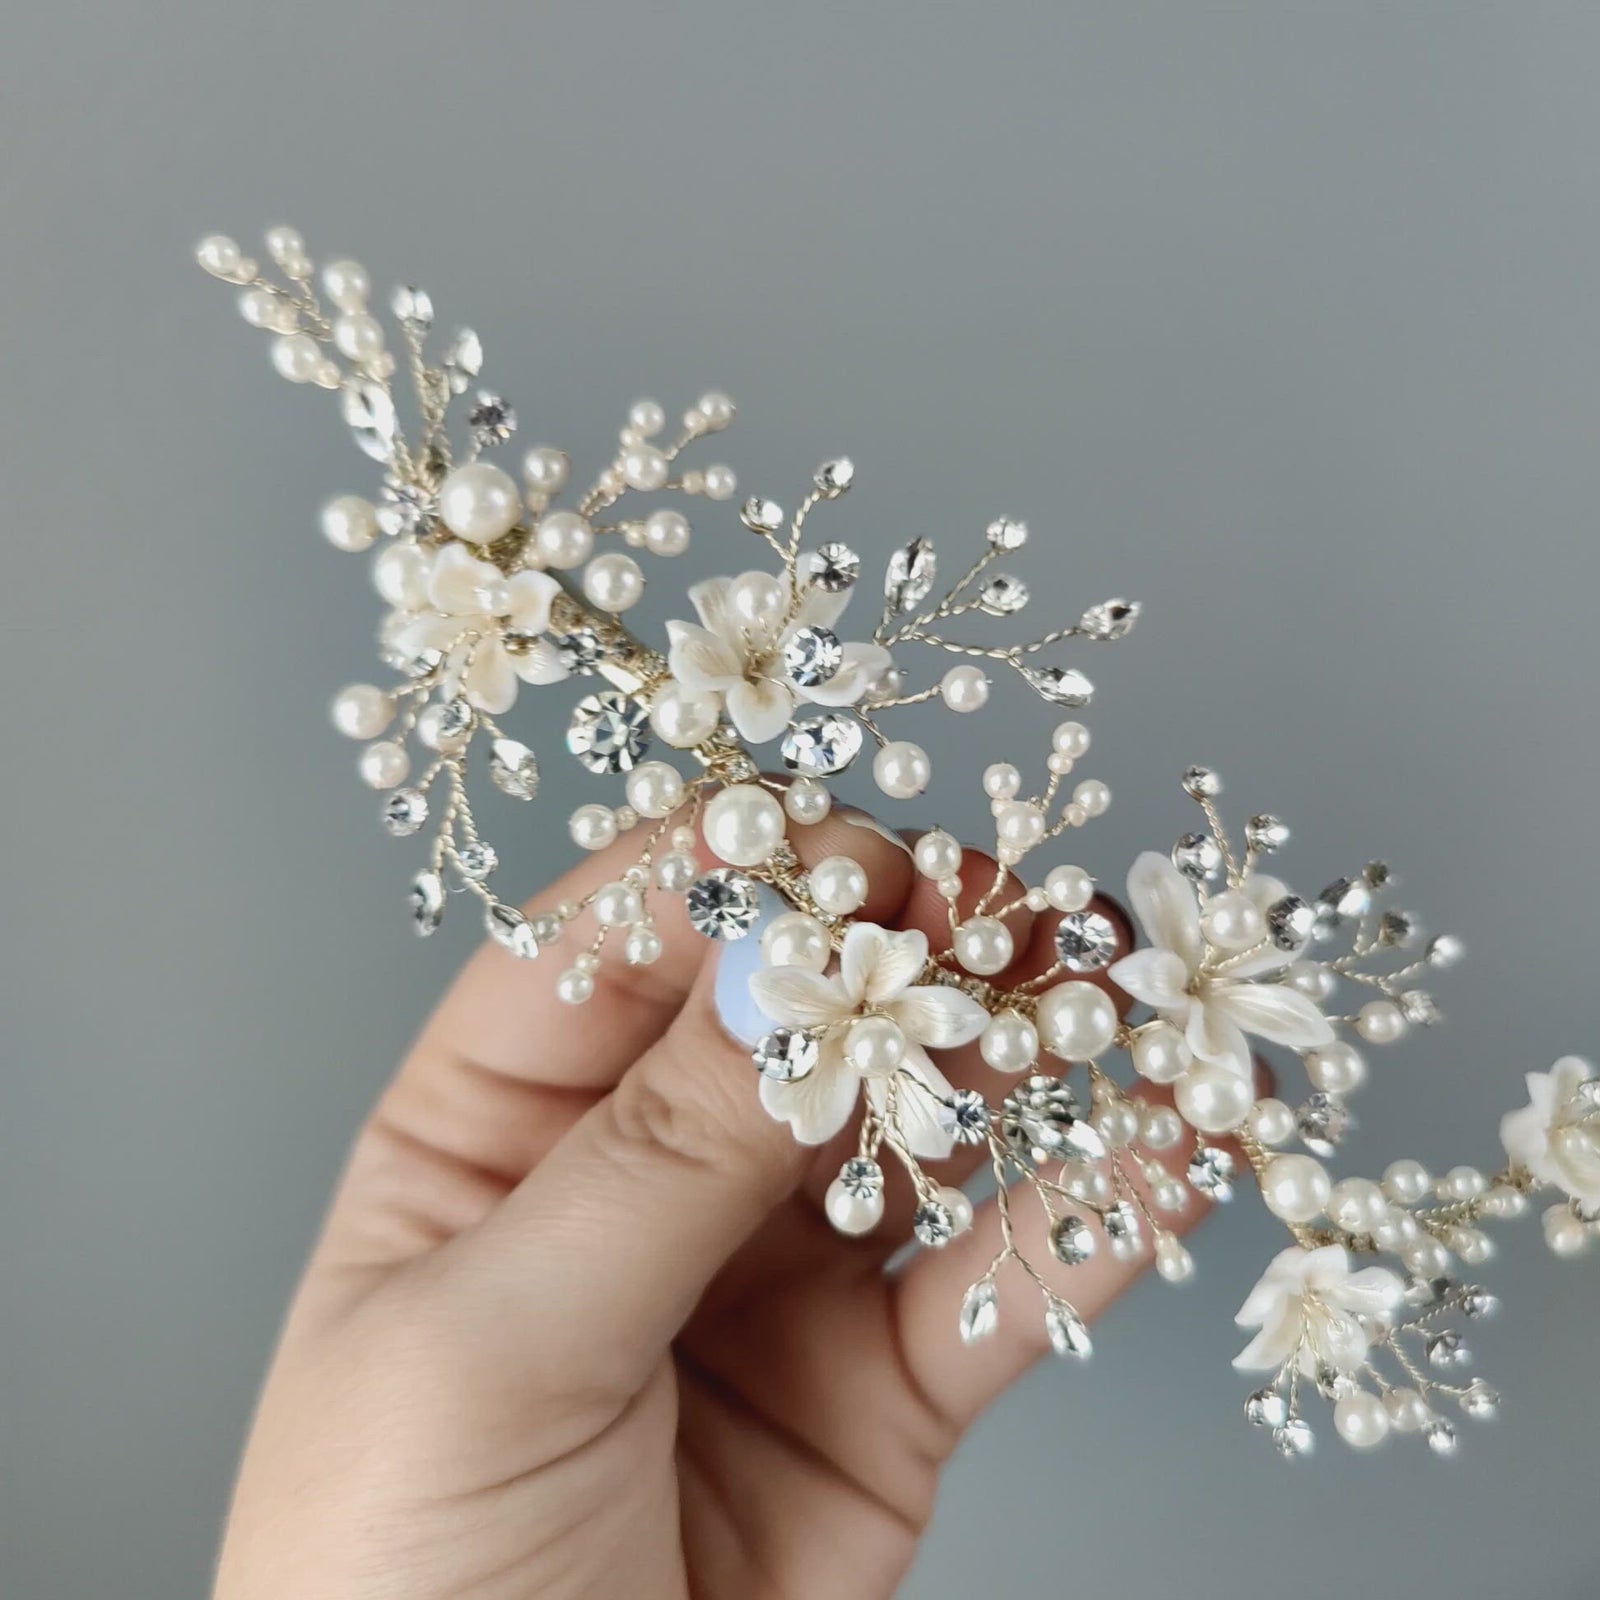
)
(710, 601)
(1371, 1291)
(818, 1105)
(1272, 1346)
(489, 681)
(701, 660)
(821, 608)
(862, 665)
(799, 998)
(937, 1016)
(760, 710)
(1156, 977)
(1213, 1037)
(430, 631)
(1273, 1011)
(876, 964)
(540, 663)
(528, 607)
(1164, 903)
(919, 1089)
(459, 583)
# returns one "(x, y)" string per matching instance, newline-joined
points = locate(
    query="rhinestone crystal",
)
(477, 860)
(582, 650)
(834, 567)
(861, 1179)
(609, 732)
(404, 812)
(370, 413)
(426, 897)
(1291, 922)
(1071, 1240)
(1197, 856)
(934, 1224)
(1111, 619)
(980, 1311)
(832, 478)
(1265, 834)
(462, 360)
(724, 904)
(1067, 1331)
(1007, 533)
(509, 928)
(1003, 595)
(811, 656)
(1266, 1408)
(1061, 686)
(1211, 1172)
(821, 745)
(1201, 783)
(412, 306)
(761, 515)
(1322, 1122)
(965, 1116)
(491, 419)
(1085, 941)
(785, 1054)
(908, 579)
(1041, 1121)
(513, 769)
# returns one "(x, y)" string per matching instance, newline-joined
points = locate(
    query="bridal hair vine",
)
(491, 585)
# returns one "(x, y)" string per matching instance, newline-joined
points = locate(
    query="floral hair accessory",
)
(495, 584)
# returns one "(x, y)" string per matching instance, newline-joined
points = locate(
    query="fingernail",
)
(742, 1019)
(865, 819)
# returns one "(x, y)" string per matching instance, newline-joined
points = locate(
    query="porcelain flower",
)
(1309, 1305)
(877, 976)
(477, 612)
(736, 651)
(1556, 1136)
(1212, 996)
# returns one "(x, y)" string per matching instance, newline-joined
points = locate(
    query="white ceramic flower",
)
(476, 610)
(736, 651)
(1210, 995)
(877, 976)
(1309, 1305)
(1556, 1136)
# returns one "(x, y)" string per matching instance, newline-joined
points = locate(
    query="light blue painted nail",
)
(737, 963)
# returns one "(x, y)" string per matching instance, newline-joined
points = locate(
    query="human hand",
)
(577, 1326)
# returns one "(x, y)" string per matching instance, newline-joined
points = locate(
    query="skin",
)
(576, 1325)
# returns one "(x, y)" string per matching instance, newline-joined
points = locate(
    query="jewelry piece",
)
(492, 585)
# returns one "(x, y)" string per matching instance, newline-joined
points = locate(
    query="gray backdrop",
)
(1280, 317)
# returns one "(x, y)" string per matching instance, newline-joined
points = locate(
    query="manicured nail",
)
(865, 819)
(738, 962)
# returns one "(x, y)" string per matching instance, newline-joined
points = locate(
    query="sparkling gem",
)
(1396, 928)
(1344, 897)
(1003, 595)
(980, 1311)
(1378, 875)
(811, 656)
(908, 579)
(760, 515)
(1265, 834)
(785, 1054)
(1007, 533)
(609, 731)
(1419, 1008)
(508, 927)
(1480, 1400)
(404, 812)
(832, 478)
(491, 419)
(1441, 1437)
(546, 927)
(1197, 856)
(723, 904)
(1121, 1221)
(1479, 1303)
(369, 411)
(462, 360)
(1211, 1171)
(1291, 922)
(1071, 1240)
(834, 567)
(1067, 1332)
(427, 903)
(1322, 1122)
(407, 509)
(1294, 1438)
(1445, 950)
(1085, 941)
(1447, 1350)
(477, 860)
(965, 1116)
(933, 1224)
(582, 650)
(1061, 686)
(1201, 783)
(1041, 1120)
(861, 1179)
(1111, 619)
(1332, 1384)
(514, 769)
(1266, 1408)
(412, 306)
(455, 719)
(821, 745)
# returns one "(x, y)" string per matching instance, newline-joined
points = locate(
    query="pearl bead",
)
(219, 255)
(719, 483)
(1271, 1121)
(1426, 1258)
(676, 870)
(400, 575)
(1406, 1182)
(1160, 1053)
(1361, 1419)
(1010, 1043)
(1407, 1410)
(574, 987)
(1118, 1122)
(350, 523)
(964, 688)
(683, 719)
(643, 467)
(937, 854)
(358, 336)
(479, 502)
(1462, 1183)
(295, 356)
(544, 468)
(654, 789)
(1093, 796)
(646, 418)
(643, 947)
(613, 582)
(715, 410)
(285, 245)
(1294, 1187)
(436, 728)
(1565, 1234)
(807, 801)
(796, 939)
(261, 308)
(592, 827)
(983, 945)
(1076, 1021)
(1071, 739)
(1336, 1068)
(851, 1213)
(901, 769)
(1019, 825)
(1380, 1022)
(1001, 781)
(1173, 1260)
(361, 711)
(1213, 1099)
(1160, 1127)
(743, 825)
(1068, 888)
(950, 887)
(384, 765)
(1232, 921)
(875, 1046)
(563, 539)
(1036, 900)
(839, 885)
(1311, 979)
(1357, 1205)
(957, 1203)
(346, 284)
(666, 533)
(617, 905)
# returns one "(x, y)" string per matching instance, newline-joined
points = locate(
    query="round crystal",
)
(724, 904)
(1197, 856)
(861, 1179)
(965, 1116)
(1071, 1240)
(1294, 1438)
(1480, 1400)
(1003, 595)
(427, 903)
(785, 1054)
(1041, 1121)
(582, 650)
(609, 732)
(1441, 1437)
(1085, 941)
(934, 1224)
(1291, 922)
(514, 769)
(509, 928)
(832, 478)
(477, 860)
(1211, 1172)
(404, 812)
(834, 567)
(761, 515)
(821, 745)
(1201, 783)
(1007, 533)
(1266, 1408)
(1264, 834)
(812, 656)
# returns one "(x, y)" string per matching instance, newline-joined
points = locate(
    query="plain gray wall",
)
(1281, 317)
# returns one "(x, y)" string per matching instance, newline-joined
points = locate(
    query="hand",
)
(576, 1325)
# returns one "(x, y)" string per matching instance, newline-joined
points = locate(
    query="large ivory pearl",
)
(807, 801)
(361, 711)
(964, 688)
(1233, 921)
(1213, 1099)
(937, 854)
(592, 827)
(654, 789)
(1295, 1187)
(1070, 739)
(479, 502)
(613, 582)
(983, 945)
(666, 533)
(545, 469)
(902, 769)
(1160, 1053)
(384, 765)
(358, 336)
(1361, 1419)
(1271, 1121)
(1357, 1204)
(796, 939)
(1019, 825)
(683, 719)
(743, 825)
(1068, 888)
(295, 356)
(350, 523)
(839, 885)
(1380, 1022)
(400, 575)
(347, 284)
(1010, 1043)
(875, 1046)
(563, 539)
(1076, 1021)
(852, 1213)
(1337, 1068)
